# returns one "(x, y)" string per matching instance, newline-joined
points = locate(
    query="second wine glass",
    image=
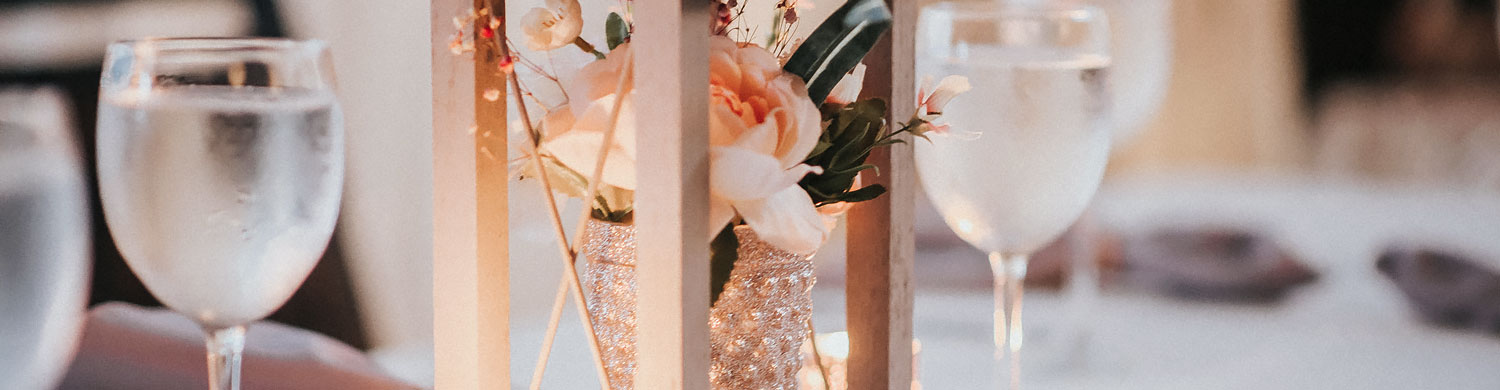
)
(1029, 143)
(44, 239)
(221, 165)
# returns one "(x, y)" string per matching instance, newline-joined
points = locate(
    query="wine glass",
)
(1140, 61)
(44, 239)
(221, 164)
(1029, 143)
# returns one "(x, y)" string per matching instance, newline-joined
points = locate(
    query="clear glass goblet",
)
(1140, 59)
(44, 239)
(221, 165)
(1028, 144)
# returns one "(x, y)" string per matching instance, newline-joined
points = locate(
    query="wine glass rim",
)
(223, 43)
(972, 9)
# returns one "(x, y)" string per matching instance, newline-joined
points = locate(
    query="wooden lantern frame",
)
(470, 254)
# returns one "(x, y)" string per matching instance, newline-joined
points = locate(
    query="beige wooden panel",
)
(1233, 101)
(881, 245)
(671, 212)
(470, 301)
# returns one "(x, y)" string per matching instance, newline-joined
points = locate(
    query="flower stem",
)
(587, 47)
(570, 271)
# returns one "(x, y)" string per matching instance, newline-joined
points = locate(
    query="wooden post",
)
(470, 259)
(671, 213)
(881, 246)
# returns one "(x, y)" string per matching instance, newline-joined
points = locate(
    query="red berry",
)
(507, 64)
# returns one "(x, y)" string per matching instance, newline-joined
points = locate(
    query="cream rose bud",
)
(553, 26)
(950, 87)
(847, 90)
(761, 126)
(931, 101)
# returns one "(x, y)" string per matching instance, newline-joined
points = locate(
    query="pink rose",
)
(761, 126)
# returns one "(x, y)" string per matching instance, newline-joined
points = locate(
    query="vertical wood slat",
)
(470, 270)
(670, 44)
(881, 245)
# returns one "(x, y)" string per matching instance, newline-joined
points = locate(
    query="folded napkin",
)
(1216, 264)
(128, 347)
(1445, 288)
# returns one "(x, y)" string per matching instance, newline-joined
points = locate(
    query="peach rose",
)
(761, 126)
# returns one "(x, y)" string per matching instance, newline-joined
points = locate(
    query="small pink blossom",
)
(931, 101)
(847, 90)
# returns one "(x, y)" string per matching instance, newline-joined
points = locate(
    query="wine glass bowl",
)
(1031, 140)
(1140, 61)
(1029, 143)
(221, 165)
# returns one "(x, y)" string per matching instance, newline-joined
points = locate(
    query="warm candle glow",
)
(834, 348)
(834, 345)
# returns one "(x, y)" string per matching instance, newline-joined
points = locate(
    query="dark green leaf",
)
(819, 148)
(837, 45)
(615, 30)
(816, 193)
(723, 252)
(863, 194)
(855, 169)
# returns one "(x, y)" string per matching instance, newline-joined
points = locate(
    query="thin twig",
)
(560, 88)
(593, 192)
(609, 139)
(552, 323)
(533, 97)
(812, 339)
(527, 62)
(570, 271)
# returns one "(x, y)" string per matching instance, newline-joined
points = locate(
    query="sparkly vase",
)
(756, 329)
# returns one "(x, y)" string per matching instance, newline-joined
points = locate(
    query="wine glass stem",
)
(1010, 275)
(225, 347)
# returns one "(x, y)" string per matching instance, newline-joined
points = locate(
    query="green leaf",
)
(819, 148)
(837, 45)
(723, 252)
(850, 133)
(863, 194)
(857, 169)
(616, 31)
(817, 194)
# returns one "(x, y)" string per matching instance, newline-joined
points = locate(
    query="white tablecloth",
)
(1349, 330)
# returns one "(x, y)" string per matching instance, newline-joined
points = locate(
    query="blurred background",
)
(1302, 194)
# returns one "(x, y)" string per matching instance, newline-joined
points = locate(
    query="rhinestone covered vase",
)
(756, 328)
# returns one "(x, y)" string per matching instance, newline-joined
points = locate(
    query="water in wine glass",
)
(44, 263)
(221, 198)
(1025, 154)
(1027, 149)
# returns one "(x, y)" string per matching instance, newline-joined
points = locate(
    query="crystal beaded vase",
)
(756, 329)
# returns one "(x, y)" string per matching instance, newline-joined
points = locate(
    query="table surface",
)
(1350, 329)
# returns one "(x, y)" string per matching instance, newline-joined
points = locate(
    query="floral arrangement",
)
(788, 132)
